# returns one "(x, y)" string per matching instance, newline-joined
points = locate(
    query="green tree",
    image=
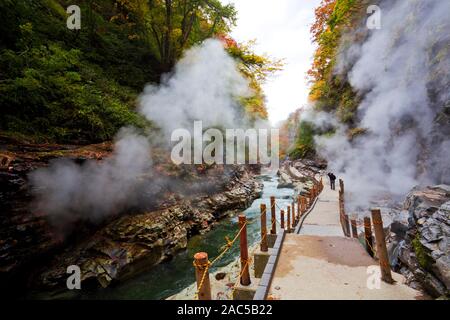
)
(304, 145)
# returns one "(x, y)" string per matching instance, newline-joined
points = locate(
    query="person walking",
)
(332, 180)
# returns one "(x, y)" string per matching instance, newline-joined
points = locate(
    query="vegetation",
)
(288, 132)
(421, 253)
(329, 92)
(80, 86)
(256, 69)
(304, 144)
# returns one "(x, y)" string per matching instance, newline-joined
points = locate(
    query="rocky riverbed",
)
(134, 243)
(300, 175)
(35, 252)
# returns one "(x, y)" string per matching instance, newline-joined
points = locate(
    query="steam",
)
(69, 192)
(204, 86)
(401, 71)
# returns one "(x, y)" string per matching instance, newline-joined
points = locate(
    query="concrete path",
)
(324, 219)
(320, 263)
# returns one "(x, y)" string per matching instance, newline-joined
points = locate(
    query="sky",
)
(281, 28)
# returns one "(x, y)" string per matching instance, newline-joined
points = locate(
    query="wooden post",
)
(341, 185)
(201, 264)
(299, 212)
(293, 217)
(245, 274)
(341, 196)
(303, 204)
(273, 230)
(368, 236)
(282, 219)
(341, 215)
(288, 224)
(354, 228)
(347, 225)
(264, 245)
(345, 219)
(381, 246)
(293, 214)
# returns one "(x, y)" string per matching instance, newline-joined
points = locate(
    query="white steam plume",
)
(393, 71)
(69, 192)
(204, 86)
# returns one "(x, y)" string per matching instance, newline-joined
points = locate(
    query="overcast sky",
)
(281, 28)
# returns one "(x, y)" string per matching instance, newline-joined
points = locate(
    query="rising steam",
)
(204, 86)
(69, 192)
(402, 73)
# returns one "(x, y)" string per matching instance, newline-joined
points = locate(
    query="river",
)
(172, 276)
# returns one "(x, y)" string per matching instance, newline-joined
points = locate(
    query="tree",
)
(256, 68)
(170, 26)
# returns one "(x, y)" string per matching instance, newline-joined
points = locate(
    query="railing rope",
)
(203, 265)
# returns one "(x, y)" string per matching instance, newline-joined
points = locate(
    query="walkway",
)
(321, 263)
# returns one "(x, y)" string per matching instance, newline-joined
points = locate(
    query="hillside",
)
(84, 118)
(81, 86)
(379, 97)
(379, 113)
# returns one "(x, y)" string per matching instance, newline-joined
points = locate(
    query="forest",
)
(80, 86)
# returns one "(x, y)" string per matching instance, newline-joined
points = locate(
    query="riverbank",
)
(284, 185)
(133, 244)
(222, 281)
(173, 204)
(173, 276)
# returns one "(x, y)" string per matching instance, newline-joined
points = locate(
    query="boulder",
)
(285, 181)
(296, 175)
(443, 269)
(424, 231)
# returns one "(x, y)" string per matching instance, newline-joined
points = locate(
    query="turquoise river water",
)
(171, 277)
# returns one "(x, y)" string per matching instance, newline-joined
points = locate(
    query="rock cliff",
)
(421, 233)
